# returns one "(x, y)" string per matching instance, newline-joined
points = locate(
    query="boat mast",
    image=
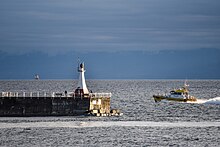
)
(185, 84)
(186, 87)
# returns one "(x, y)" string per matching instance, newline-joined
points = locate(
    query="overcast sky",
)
(55, 27)
(108, 25)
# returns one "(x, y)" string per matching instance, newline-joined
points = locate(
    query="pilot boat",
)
(180, 95)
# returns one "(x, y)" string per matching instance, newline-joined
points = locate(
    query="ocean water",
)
(144, 122)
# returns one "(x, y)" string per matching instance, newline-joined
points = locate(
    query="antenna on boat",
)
(185, 84)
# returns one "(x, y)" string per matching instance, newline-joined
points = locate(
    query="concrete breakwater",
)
(80, 102)
(16, 104)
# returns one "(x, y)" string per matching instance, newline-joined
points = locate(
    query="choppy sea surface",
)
(144, 122)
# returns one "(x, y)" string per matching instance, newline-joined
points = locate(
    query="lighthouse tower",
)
(81, 87)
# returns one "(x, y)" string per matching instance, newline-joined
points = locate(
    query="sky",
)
(117, 39)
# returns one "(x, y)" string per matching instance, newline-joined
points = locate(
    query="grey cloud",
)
(102, 25)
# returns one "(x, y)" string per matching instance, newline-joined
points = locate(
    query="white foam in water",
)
(213, 101)
(210, 101)
(90, 124)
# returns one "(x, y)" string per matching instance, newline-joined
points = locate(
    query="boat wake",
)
(92, 124)
(215, 100)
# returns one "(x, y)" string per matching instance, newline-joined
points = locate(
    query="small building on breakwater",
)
(79, 102)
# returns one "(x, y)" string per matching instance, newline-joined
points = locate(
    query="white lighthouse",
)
(81, 87)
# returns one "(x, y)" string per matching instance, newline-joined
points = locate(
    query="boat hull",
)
(159, 98)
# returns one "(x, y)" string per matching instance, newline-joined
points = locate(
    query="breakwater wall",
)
(54, 104)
